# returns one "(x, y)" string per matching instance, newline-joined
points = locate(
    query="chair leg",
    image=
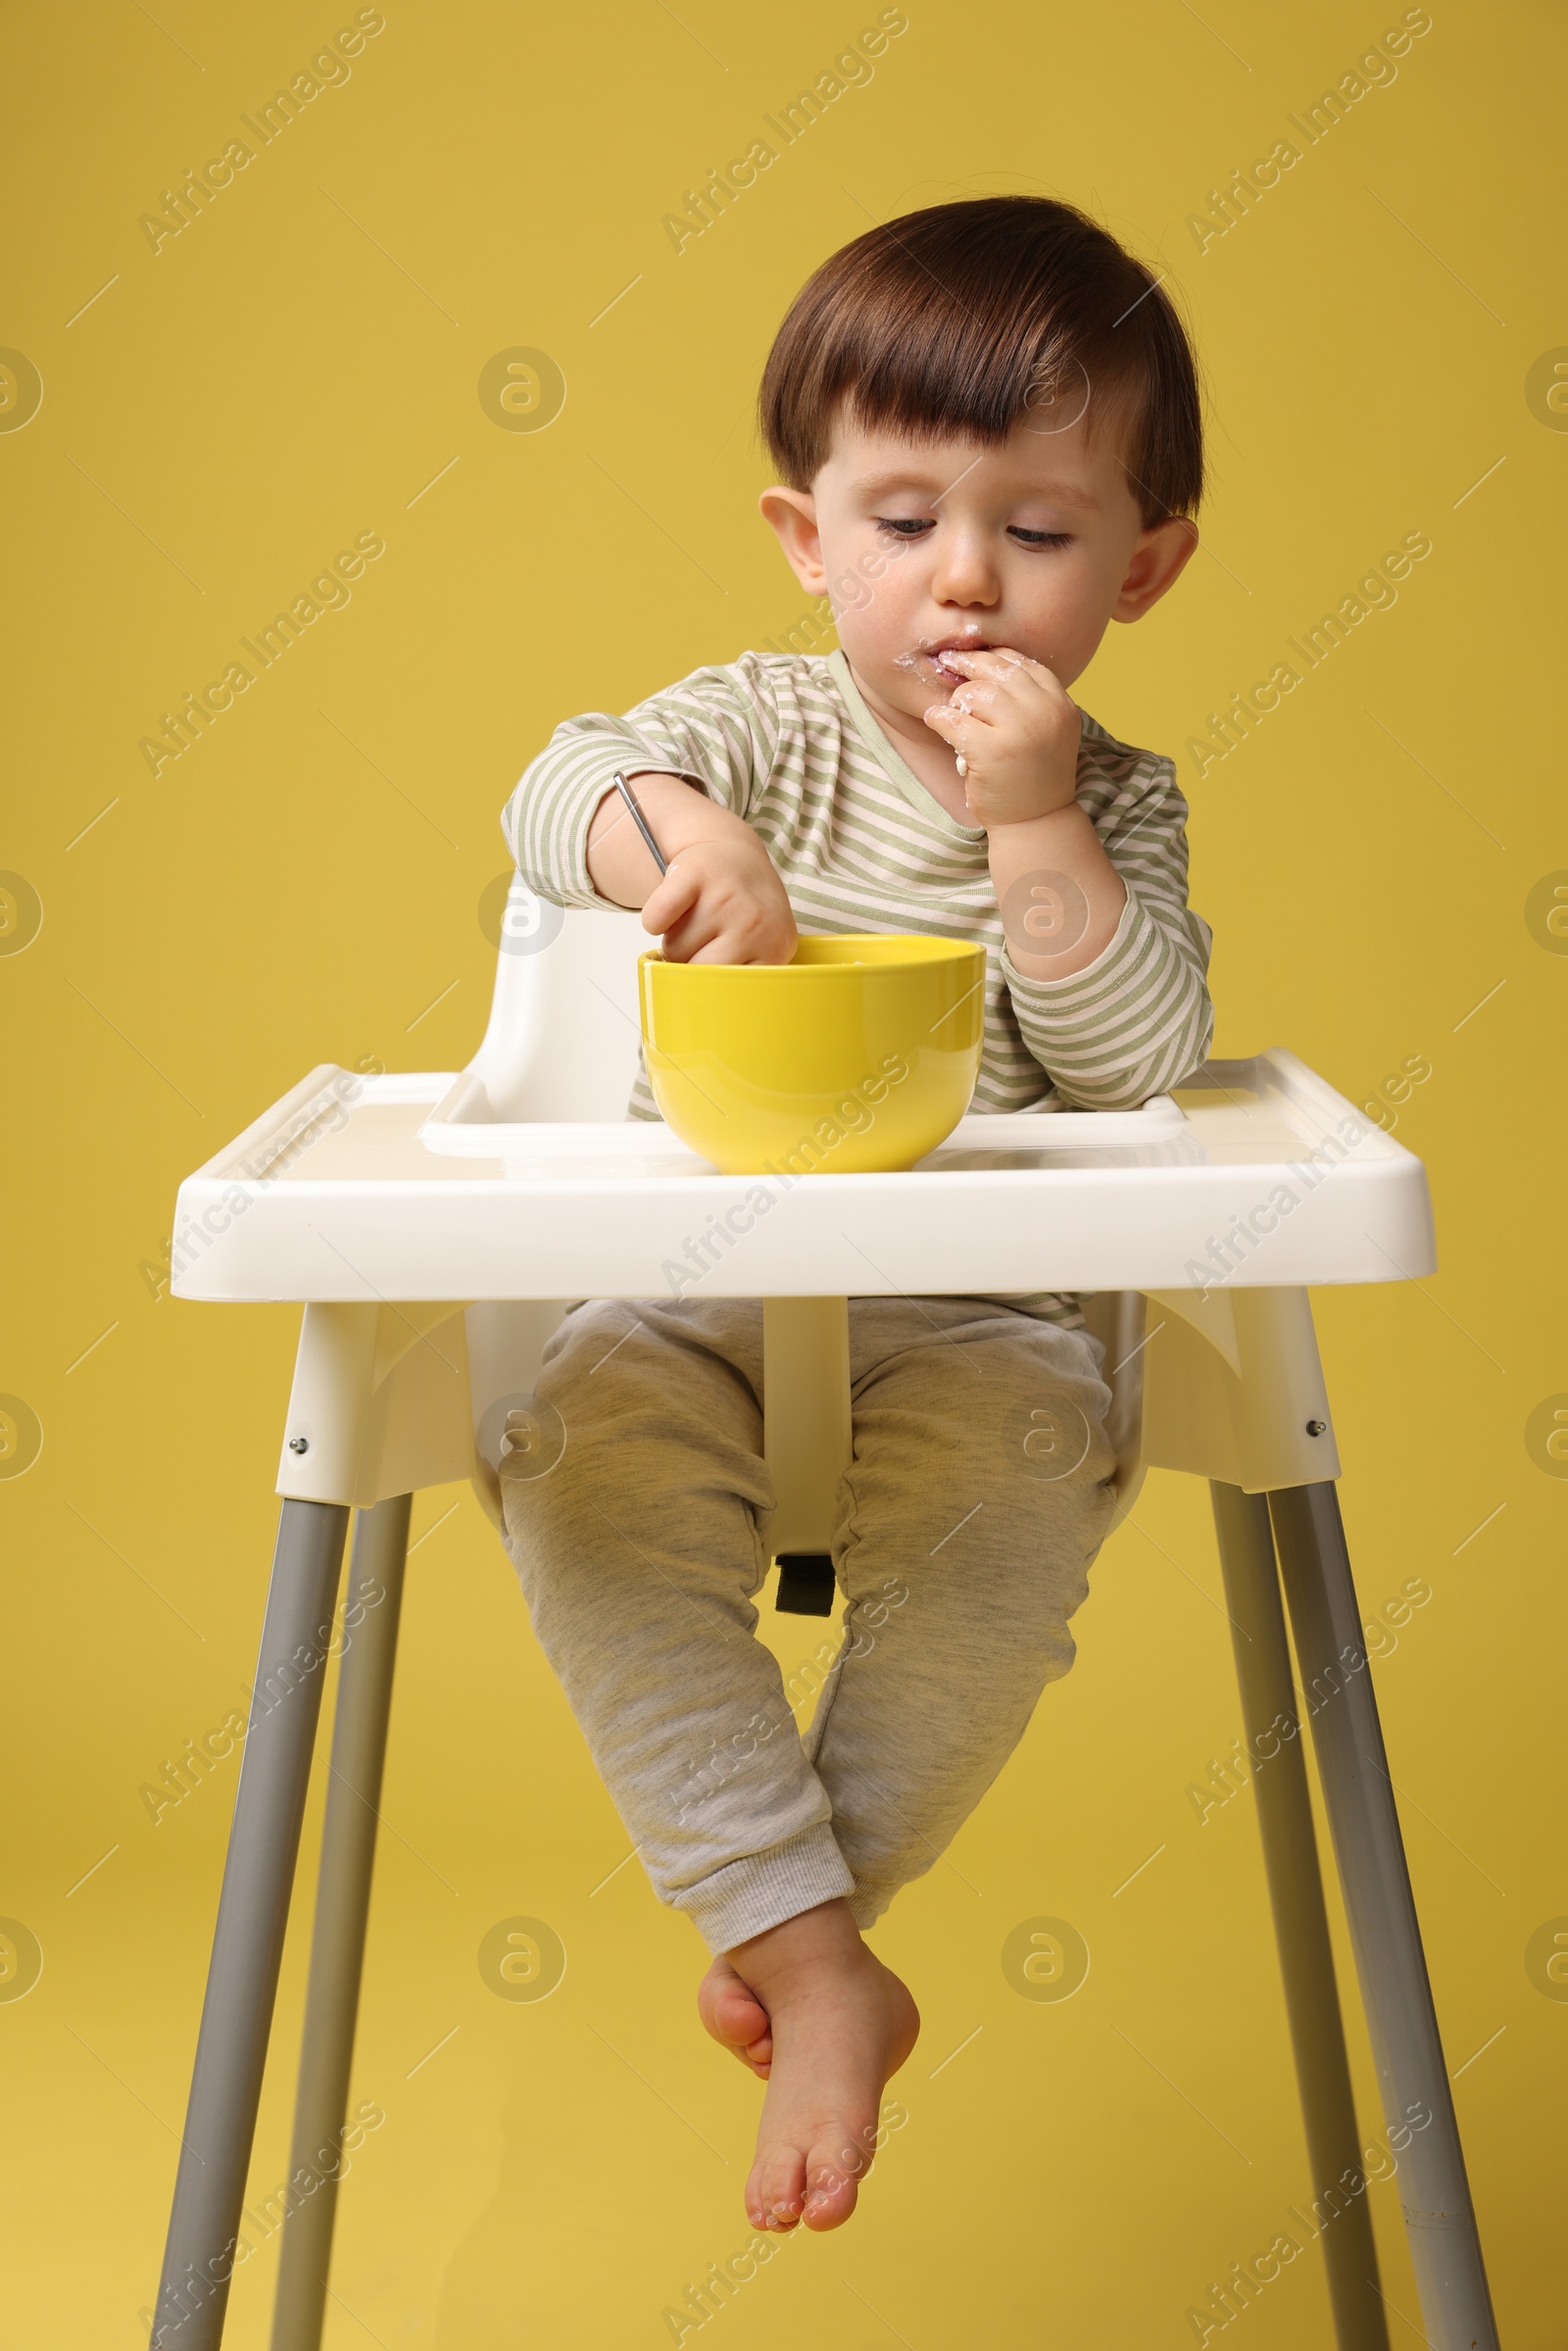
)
(251, 1916)
(342, 1908)
(1385, 1932)
(1272, 1728)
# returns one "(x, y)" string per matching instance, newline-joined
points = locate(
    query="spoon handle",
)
(641, 822)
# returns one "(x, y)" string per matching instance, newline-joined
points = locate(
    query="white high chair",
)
(432, 1227)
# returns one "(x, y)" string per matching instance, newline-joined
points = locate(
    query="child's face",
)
(921, 545)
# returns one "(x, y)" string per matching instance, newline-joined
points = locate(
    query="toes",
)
(834, 2168)
(819, 2187)
(737, 2020)
(758, 2056)
(775, 2194)
(733, 2014)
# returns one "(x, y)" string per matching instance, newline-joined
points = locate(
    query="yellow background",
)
(294, 369)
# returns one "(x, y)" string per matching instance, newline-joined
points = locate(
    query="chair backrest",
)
(562, 1037)
(562, 1044)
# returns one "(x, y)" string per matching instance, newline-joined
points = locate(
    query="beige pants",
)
(976, 1501)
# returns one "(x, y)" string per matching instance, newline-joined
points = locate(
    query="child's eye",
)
(1040, 538)
(903, 527)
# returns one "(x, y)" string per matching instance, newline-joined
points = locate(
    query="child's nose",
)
(966, 573)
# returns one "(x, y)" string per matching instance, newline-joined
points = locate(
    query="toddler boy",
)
(986, 420)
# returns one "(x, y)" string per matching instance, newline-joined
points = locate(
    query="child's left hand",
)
(1015, 730)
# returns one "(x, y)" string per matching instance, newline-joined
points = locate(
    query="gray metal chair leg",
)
(1385, 1933)
(342, 1908)
(251, 1916)
(1272, 1729)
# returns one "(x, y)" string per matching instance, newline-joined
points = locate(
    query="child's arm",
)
(721, 899)
(1120, 1010)
(1018, 729)
(698, 753)
(1139, 1019)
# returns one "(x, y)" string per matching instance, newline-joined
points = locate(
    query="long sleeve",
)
(1138, 1019)
(720, 726)
(786, 742)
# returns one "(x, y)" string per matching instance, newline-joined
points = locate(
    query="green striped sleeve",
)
(712, 727)
(1138, 1019)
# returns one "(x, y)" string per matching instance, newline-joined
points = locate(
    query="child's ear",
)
(1158, 559)
(793, 515)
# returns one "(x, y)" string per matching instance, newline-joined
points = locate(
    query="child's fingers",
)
(1009, 676)
(1003, 669)
(676, 894)
(737, 941)
(718, 950)
(1001, 661)
(730, 927)
(952, 720)
(693, 938)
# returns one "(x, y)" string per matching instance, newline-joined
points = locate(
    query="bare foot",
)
(736, 2017)
(840, 2025)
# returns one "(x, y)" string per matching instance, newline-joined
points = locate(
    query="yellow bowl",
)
(861, 1054)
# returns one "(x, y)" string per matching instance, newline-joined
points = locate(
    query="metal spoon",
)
(640, 821)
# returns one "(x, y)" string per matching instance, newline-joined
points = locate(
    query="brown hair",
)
(963, 319)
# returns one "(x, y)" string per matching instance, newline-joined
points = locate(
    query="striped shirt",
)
(786, 742)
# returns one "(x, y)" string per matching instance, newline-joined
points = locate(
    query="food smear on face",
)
(928, 654)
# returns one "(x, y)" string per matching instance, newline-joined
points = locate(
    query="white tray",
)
(460, 1126)
(397, 1188)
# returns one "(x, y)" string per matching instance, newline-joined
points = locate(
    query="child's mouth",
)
(932, 650)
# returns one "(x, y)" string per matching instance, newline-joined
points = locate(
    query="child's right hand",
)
(721, 901)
